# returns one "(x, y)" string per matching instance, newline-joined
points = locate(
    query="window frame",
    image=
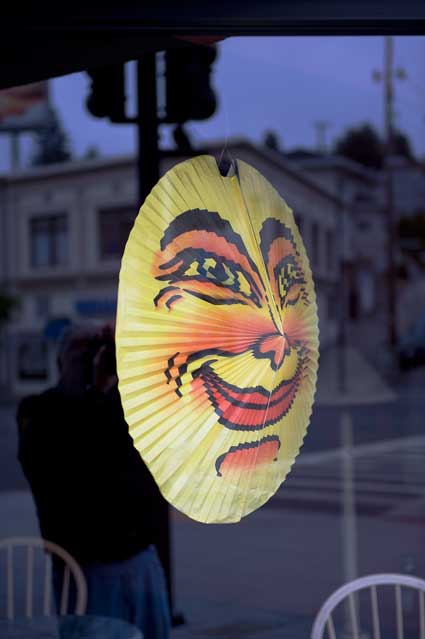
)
(121, 209)
(55, 222)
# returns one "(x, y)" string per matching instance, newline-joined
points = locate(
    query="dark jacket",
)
(93, 493)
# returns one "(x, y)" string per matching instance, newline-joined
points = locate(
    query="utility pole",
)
(343, 284)
(388, 85)
(321, 127)
(389, 189)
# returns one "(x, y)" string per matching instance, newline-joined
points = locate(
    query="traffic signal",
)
(107, 92)
(189, 95)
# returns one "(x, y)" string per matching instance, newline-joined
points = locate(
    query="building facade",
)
(64, 228)
(362, 227)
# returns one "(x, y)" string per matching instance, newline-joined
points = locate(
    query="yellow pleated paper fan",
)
(217, 339)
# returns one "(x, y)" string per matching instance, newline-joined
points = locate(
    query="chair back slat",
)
(399, 612)
(353, 616)
(10, 584)
(47, 598)
(331, 628)
(375, 613)
(65, 591)
(346, 595)
(49, 549)
(421, 614)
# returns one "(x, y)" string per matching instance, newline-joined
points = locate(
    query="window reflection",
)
(49, 240)
(114, 227)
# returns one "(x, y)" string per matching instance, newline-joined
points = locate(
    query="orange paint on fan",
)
(217, 310)
(245, 459)
(275, 345)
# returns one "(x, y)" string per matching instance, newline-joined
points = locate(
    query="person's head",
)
(85, 353)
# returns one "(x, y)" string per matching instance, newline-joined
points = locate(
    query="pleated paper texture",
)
(217, 339)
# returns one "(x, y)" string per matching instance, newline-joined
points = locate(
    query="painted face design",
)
(202, 257)
(231, 306)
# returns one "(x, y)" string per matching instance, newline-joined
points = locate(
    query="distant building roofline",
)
(86, 165)
(342, 163)
(79, 165)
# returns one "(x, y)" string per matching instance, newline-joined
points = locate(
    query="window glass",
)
(49, 240)
(310, 115)
(114, 226)
(32, 358)
(42, 306)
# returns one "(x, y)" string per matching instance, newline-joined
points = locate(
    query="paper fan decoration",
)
(217, 339)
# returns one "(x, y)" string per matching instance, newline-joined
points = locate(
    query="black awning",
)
(45, 42)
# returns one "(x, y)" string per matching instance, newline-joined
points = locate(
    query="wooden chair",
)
(324, 619)
(29, 547)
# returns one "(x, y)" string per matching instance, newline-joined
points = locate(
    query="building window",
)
(42, 306)
(363, 225)
(49, 240)
(334, 301)
(32, 358)
(114, 226)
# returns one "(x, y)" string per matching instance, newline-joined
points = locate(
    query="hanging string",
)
(222, 166)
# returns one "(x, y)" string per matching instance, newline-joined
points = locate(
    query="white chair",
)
(324, 619)
(30, 545)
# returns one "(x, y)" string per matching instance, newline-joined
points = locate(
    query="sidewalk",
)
(267, 576)
(370, 335)
(346, 377)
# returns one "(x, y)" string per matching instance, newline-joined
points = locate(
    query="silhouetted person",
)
(93, 493)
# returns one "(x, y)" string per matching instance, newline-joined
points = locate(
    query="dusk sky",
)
(281, 83)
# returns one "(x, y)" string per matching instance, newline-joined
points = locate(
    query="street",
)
(403, 418)
(268, 575)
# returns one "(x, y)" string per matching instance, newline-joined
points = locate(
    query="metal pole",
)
(343, 282)
(147, 177)
(349, 527)
(147, 126)
(389, 191)
(321, 126)
(349, 508)
(14, 151)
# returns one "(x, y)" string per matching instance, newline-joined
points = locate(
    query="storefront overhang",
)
(51, 40)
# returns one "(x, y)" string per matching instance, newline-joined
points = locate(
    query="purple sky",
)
(280, 83)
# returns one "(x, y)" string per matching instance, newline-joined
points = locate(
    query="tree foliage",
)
(412, 231)
(402, 145)
(364, 145)
(52, 143)
(271, 140)
(92, 152)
